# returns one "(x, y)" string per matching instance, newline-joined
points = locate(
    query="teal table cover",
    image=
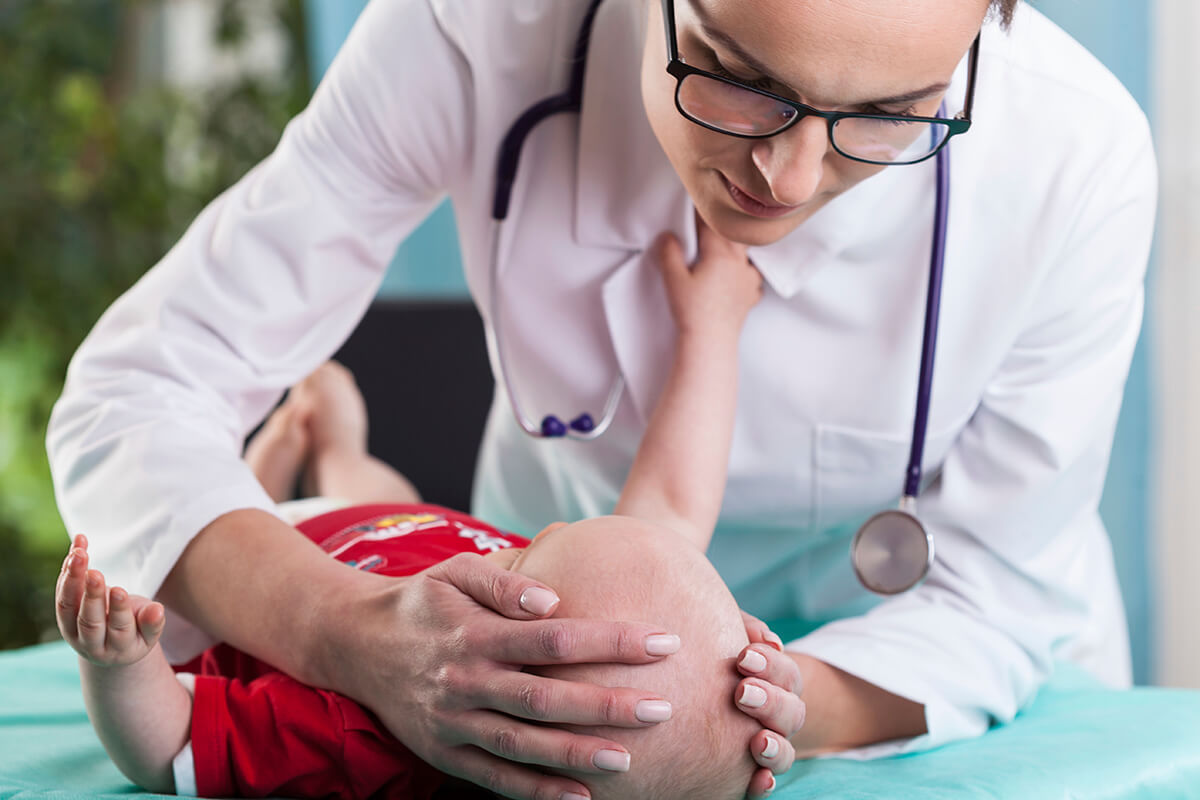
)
(1076, 740)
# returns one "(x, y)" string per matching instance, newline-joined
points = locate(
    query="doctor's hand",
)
(770, 693)
(439, 659)
(717, 291)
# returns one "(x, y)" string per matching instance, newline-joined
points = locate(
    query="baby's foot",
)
(279, 451)
(108, 627)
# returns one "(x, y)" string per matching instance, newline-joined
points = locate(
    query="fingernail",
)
(771, 748)
(70, 561)
(753, 661)
(538, 601)
(752, 696)
(652, 711)
(662, 644)
(611, 760)
(770, 788)
(774, 639)
(573, 796)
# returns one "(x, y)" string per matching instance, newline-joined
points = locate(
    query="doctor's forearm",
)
(251, 580)
(845, 712)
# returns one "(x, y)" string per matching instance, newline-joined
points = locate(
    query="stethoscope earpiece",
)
(554, 428)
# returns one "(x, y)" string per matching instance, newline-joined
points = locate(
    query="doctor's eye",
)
(766, 84)
(873, 109)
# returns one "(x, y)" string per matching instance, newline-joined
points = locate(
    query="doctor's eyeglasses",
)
(726, 105)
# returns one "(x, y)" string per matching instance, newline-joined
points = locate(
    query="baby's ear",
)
(504, 558)
(553, 526)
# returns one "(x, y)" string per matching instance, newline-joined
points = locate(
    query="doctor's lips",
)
(753, 205)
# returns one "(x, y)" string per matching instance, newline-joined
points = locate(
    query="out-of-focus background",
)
(120, 119)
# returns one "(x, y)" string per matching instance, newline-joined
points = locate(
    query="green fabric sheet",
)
(1075, 741)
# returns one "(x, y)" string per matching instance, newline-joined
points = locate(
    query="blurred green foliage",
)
(102, 167)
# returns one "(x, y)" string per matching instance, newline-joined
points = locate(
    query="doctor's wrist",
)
(845, 712)
(342, 629)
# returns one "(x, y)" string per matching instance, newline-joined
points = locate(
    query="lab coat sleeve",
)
(145, 441)
(1020, 548)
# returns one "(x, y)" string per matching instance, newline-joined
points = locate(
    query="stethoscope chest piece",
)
(892, 552)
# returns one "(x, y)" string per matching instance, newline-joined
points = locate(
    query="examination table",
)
(1076, 740)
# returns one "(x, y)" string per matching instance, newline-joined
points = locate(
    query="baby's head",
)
(617, 568)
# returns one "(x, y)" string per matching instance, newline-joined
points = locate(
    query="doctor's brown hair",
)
(1004, 9)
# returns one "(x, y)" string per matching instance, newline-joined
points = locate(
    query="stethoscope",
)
(892, 551)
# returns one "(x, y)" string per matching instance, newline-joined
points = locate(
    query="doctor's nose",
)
(794, 161)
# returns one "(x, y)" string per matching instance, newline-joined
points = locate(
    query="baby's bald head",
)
(618, 568)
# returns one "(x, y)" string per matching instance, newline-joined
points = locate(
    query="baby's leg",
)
(140, 711)
(279, 450)
(339, 465)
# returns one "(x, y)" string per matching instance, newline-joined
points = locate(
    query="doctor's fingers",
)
(491, 586)
(513, 740)
(571, 641)
(526, 696)
(506, 778)
(759, 632)
(772, 751)
(771, 664)
(776, 709)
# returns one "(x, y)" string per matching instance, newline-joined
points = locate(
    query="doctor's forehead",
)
(835, 50)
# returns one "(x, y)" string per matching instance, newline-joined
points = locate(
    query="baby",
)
(230, 725)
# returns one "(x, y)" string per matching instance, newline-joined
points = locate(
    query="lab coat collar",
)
(627, 192)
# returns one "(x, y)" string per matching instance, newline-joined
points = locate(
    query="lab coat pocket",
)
(857, 473)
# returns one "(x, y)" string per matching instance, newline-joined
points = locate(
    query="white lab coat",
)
(1052, 205)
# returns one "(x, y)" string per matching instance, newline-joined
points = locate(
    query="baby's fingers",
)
(92, 621)
(122, 635)
(151, 618)
(69, 594)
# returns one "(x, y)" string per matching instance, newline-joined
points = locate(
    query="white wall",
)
(1176, 328)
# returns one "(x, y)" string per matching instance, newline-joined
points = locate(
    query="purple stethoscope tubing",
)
(933, 304)
(584, 426)
(892, 551)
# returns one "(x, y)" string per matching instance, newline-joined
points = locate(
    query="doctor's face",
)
(872, 56)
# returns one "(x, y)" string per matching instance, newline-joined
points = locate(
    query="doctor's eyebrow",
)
(729, 43)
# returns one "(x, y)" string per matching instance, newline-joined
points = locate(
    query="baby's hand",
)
(107, 627)
(717, 291)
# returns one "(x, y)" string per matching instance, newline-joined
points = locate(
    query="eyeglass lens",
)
(734, 109)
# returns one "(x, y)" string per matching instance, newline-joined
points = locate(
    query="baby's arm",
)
(140, 711)
(678, 475)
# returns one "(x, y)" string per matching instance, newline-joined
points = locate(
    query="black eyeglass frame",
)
(680, 69)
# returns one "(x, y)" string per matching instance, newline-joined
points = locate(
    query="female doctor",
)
(1051, 203)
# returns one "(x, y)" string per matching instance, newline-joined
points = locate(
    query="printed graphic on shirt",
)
(484, 542)
(371, 544)
(382, 528)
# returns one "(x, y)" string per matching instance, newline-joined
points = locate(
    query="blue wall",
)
(428, 264)
(1118, 32)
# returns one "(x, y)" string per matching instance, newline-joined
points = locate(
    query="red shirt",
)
(257, 732)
